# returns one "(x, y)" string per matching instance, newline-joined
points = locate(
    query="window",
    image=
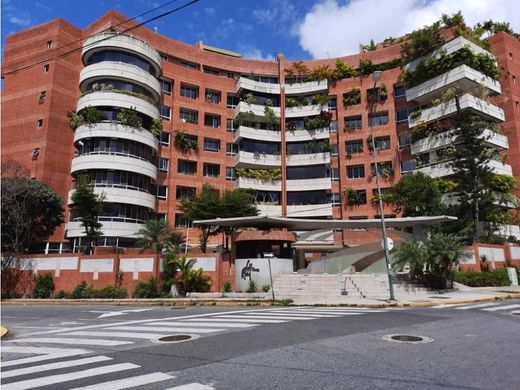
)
(43, 95)
(189, 116)
(355, 146)
(185, 192)
(230, 75)
(399, 91)
(182, 222)
(211, 170)
(212, 121)
(162, 192)
(382, 143)
(166, 86)
(355, 171)
(166, 112)
(35, 153)
(46, 68)
(333, 103)
(356, 197)
(333, 127)
(211, 145)
(401, 116)
(212, 96)
(49, 43)
(404, 140)
(231, 149)
(39, 123)
(164, 57)
(165, 138)
(334, 150)
(213, 71)
(231, 126)
(352, 122)
(334, 174)
(189, 65)
(384, 169)
(510, 55)
(514, 79)
(187, 167)
(378, 119)
(189, 91)
(232, 101)
(230, 173)
(163, 164)
(335, 199)
(408, 166)
(160, 217)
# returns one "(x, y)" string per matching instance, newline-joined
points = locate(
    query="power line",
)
(104, 39)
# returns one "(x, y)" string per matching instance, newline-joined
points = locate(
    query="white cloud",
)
(42, 6)
(279, 15)
(256, 54)
(334, 27)
(19, 21)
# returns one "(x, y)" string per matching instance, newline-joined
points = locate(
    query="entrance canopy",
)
(266, 222)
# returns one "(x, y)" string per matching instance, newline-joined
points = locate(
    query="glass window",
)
(165, 138)
(378, 119)
(333, 127)
(401, 115)
(163, 164)
(213, 71)
(166, 112)
(187, 167)
(212, 96)
(211, 145)
(399, 91)
(231, 149)
(352, 122)
(384, 169)
(232, 101)
(307, 172)
(407, 166)
(189, 116)
(166, 86)
(189, 65)
(334, 174)
(231, 126)
(211, 170)
(333, 103)
(185, 192)
(335, 199)
(404, 140)
(182, 222)
(382, 143)
(212, 121)
(230, 173)
(355, 171)
(333, 150)
(355, 146)
(46, 68)
(162, 192)
(189, 91)
(230, 75)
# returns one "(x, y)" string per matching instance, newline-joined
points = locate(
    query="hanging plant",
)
(185, 142)
(352, 97)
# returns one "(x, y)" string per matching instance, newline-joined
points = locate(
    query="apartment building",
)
(303, 146)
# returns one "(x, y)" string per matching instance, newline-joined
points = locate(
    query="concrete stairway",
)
(375, 286)
(307, 286)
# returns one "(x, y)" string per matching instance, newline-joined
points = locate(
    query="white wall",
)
(260, 272)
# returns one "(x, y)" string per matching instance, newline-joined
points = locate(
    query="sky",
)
(301, 29)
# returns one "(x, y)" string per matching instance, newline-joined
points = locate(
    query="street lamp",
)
(376, 76)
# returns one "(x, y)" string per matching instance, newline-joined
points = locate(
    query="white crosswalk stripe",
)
(238, 320)
(192, 386)
(126, 383)
(252, 316)
(185, 323)
(169, 329)
(506, 307)
(129, 335)
(476, 306)
(71, 341)
(300, 314)
(43, 354)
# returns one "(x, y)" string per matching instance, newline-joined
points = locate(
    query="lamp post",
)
(376, 76)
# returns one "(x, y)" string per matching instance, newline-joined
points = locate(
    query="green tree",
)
(154, 235)
(179, 271)
(87, 207)
(416, 195)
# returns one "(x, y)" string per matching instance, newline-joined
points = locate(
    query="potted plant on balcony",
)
(129, 117)
(352, 97)
(355, 197)
(184, 142)
(249, 98)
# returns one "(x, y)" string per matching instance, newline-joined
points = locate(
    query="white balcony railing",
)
(257, 109)
(257, 184)
(109, 229)
(308, 159)
(116, 130)
(442, 169)
(257, 134)
(114, 194)
(114, 99)
(311, 110)
(270, 210)
(248, 159)
(113, 162)
(306, 87)
(309, 210)
(306, 135)
(322, 183)
(257, 86)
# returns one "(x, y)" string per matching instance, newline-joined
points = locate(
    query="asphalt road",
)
(112, 347)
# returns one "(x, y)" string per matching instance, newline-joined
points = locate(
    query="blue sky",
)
(301, 29)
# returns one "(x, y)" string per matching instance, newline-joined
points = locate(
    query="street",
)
(472, 346)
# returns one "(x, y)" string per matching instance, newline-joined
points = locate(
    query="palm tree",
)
(154, 235)
(175, 240)
(415, 255)
(179, 271)
(445, 251)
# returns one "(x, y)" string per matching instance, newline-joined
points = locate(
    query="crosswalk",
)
(490, 307)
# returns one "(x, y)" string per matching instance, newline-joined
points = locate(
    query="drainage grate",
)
(407, 338)
(177, 337)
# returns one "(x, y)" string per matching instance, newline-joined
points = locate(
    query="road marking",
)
(186, 323)
(60, 378)
(129, 382)
(476, 306)
(251, 316)
(54, 366)
(192, 386)
(55, 340)
(169, 329)
(445, 306)
(256, 321)
(116, 313)
(45, 354)
(293, 314)
(339, 310)
(336, 314)
(117, 334)
(506, 307)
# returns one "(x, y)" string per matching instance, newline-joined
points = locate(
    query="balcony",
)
(120, 71)
(311, 110)
(257, 134)
(114, 99)
(257, 86)
(257, 184)
(309, 210)
(306, 87)
(116, 41)
(442, 140)
(466, 101)
(450, 47)
(463, 79)
(306, 135)
(115, 162)
(119, 194)
(257, 109)
(308, 159)
(443, 169)
(270, 210)
(322, 183)
(116, 130)
(108, 228)
(252, 160)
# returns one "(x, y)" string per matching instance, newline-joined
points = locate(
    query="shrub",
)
(284, 302)
(266, 287)
(110, 292)
(44, 286)
(251, 286)
(85, 291)
(61, 295)
(227, 287)
(81, 291)
(484, 279)
(146, 289)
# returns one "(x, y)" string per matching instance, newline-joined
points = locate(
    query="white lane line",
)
(292, 314)
(477, 306)
(343, 310)
(265, 317)
(171, 329)
(256, 321)
(117, 334)
(55, 340)
(60, 378)
(129, 382)
(54, 366)
(46, 354)
(338, 314)
(185, 323)
(192, 386)
(506, 307)
(447, 305)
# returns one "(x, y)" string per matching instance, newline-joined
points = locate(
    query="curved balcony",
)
(306, 135)
(257, 109)
(257, 86)
(257, 134)
(120, 71)
(442, 169)
(118, 194)
(248, 159)
(108, 229)
(308, 159)
(257, 184)
(312, 110)
(466, 102)
(271, 210)
(115, 162)
(116, 130)
(306, 87)
(114, 99)
(462, 78)
(322, 183)
(309, 210)
(108, 40)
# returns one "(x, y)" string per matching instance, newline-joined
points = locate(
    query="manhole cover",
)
(177, 337)
(407, 338)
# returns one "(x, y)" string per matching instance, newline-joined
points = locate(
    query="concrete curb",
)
(3, 331)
